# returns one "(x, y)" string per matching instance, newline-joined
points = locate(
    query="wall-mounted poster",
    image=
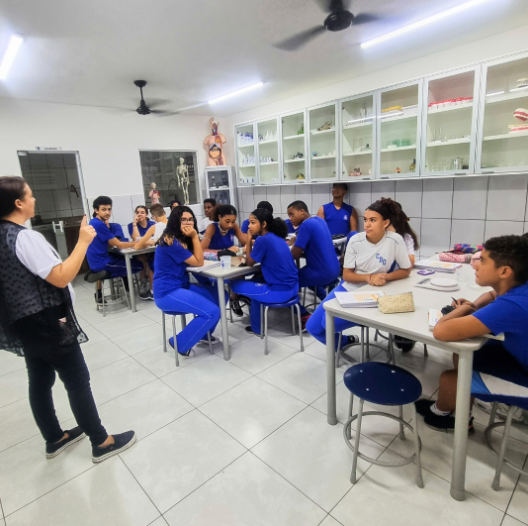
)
(174, 174)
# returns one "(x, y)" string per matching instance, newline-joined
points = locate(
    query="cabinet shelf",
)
(322, 132)
(398, 149)
(323, 157)
(466, 106)
(294, 160)
(247, 166)
(396, 117)
(272, 141)
(226, 188)
(359, 124)
(448, 143)
(356, 154)
(252, 145)
(292, 137)
(506, 136)
(269, 164)
(507, 96)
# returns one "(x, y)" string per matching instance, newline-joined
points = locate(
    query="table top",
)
(225, 273)
(132, 251)
(412, 325)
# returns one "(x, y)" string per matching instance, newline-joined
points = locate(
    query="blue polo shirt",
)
(314, 238)
(220, 242)
(97, 253)
(289, 224)
(508, 315)
(277, 264)
(142, 231)
(170, 269)
(338, 221)
(245, 226)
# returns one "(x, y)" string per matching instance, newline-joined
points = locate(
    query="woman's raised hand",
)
(87, 232)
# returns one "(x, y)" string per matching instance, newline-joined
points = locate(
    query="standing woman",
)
(281, 278)
(37, 321)
(179, 247)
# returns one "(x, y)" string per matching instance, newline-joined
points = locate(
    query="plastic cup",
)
(226, 261)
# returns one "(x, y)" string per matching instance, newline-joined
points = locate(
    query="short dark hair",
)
(266, 205)
(344, 186)
(224, 210)
(141, 206)
(510, 251)
(157, 210)
(211, 201)
(298, 205)
(101, 200)
(172, 203)
(11, 189)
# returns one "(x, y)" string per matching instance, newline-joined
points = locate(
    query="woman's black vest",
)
(30, 307)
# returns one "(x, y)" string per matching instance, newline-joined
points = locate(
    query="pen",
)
(456, 301)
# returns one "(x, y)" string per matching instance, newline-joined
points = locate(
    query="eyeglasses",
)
(187, 220)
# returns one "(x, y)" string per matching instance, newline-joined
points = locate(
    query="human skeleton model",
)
(154, 195)
(214, 144)
(183, 179)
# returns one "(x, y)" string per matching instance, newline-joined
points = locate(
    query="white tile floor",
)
(235, 443)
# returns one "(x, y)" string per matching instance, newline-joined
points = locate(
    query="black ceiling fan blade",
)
(329, 6)
(155, 103)
(364, 18)
(300, 39)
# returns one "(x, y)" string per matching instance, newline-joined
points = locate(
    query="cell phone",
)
(426, 272)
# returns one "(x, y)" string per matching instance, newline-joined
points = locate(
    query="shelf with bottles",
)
(505, 116)
(294, 147)
(268, 151)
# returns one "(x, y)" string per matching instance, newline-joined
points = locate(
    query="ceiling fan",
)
(340, 18)
(143, 109)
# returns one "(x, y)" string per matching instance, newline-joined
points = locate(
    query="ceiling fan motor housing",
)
(338, 20)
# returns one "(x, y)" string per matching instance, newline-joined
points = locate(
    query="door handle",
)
(61, 226)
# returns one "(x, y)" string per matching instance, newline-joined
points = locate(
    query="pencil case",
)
(396, 303)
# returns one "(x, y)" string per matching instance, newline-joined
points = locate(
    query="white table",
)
(220, 275)
(415, 326)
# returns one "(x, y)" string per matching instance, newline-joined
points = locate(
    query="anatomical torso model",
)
(214, 145)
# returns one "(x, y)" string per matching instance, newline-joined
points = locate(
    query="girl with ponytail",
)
(281, 280)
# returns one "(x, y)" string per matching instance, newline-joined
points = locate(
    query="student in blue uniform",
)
(370, 258)
(340, 217)
(281, 281)
(500, 369)
(289, 225)
(314, 241)
(178, 248)
(263, 204)
(221, 234)
(139, 227)
(117, 230)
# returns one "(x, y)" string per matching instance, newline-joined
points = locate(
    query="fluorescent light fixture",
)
(10, 54)
(522, 88)
(495, 93)
(424, 22)
(236, 93)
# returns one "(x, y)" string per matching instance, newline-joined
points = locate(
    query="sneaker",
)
(122, 442)
(404, 344)
(346, 341)
(249, 330)
(98, 295)
(236, 308)
(213, 340)
(190, 352)
(423, 407)
(147, 295)
(445, 423)
(304, 320)
(74, 435)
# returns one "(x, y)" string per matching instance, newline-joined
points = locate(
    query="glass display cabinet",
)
(220, 185)
(358, 117)
(504, 126)
(450, 123)
(294, 148)
(245, 154)
(323, 142)
(399, 131)
(268, 151)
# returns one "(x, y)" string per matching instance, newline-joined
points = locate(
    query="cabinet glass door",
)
(357, 146)
(399, 131)
(323, 143)
(293, 148)
(450, 124)
(245, 154)
(505, 127)
(268, 151)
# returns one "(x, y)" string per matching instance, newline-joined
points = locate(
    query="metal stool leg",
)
(230, 309)
(183, 321)
(402, 432)
(350, 410)
(353, 478)
(376, 336)
(493, 413)
(368, 344)
(164, 332)
(362, 344)
(419, 480)
(174, 340)
(292, 311)
(426, 353)
(261, 320)
(338, 352)
(210, 343)
(122, 283)
(298, 308)
(504, 443)
(265, 330)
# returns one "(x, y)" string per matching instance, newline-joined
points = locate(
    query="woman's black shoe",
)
(122, 442)
(74, 435)
(236, 308)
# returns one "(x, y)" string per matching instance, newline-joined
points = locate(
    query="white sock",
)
(437, 411)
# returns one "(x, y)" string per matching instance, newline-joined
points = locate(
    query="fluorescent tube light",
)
(424, 22)
(519, 89)
(10, 54)
(495, 93)
(235, 93)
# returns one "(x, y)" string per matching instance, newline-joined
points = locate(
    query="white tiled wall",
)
(442, 211)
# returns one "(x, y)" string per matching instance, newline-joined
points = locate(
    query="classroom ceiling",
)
(190, 51)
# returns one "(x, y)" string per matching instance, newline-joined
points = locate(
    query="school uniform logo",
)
(345, 217)
(381, 259)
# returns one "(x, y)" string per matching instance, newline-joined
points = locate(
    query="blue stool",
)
(174, 333)
(292, 304)
(383, 384)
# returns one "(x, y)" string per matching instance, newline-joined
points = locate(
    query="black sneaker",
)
(147, 295)
(190, 352)
(423, 407)
(346, 341)
(249, 330)
(122, 442)
(236, 308)
(404, 344)
(75, 434)
(445, 423)
(98, 297)
(213, 340)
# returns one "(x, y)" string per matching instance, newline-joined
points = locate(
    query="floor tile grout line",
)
(515, 487)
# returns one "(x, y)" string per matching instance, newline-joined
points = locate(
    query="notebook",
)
(350, 300)
(439, 266)
(207, 266)
(436, 314)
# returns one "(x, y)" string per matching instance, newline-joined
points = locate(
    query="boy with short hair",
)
(500, 369)
(340, 217)
(208, 206)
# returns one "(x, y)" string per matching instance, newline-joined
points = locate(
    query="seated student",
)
(500, 369)
(340, 217)
(291, 228)
(178, 248)
(281, 281)
(369, 258)
(152, 235)
(117, 230)
(138, 228)
(208, 206)
(263, 204)
(97, 253)
(174, 204)
(314, 241)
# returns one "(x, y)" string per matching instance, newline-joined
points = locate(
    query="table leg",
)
(130, 282)
(458, 477)
(331, 417)
(223, 318)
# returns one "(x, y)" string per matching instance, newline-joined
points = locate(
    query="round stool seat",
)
(293, 301)
(383, 383)
(92, 277)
